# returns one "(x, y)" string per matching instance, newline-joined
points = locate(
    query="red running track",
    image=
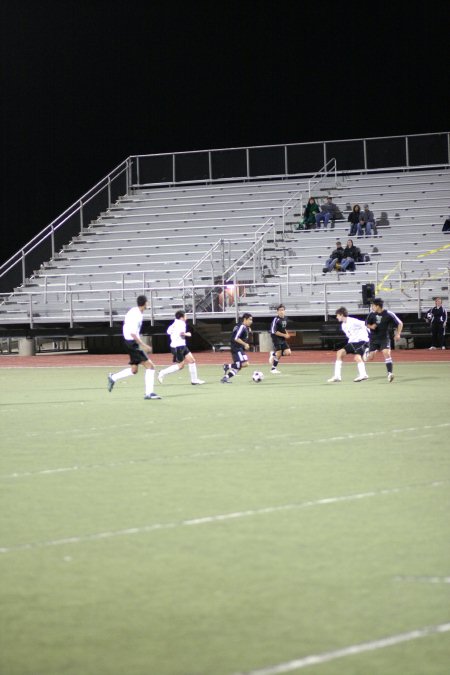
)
(64, 359)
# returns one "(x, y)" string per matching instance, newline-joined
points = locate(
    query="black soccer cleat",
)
(225, 380)
(111, 382)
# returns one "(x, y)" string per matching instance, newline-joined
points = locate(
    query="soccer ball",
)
(257, 376)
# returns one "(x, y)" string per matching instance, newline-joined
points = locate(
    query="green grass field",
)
(224, 529)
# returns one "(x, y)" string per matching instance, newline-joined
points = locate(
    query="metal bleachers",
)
(176, 243)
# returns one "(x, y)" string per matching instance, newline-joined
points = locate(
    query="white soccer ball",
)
(257, 376)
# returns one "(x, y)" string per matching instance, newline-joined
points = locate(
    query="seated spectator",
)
(351, 255)
(353, 218)
(334, 259)
(309, 214)
(366, 220)
(329, 211)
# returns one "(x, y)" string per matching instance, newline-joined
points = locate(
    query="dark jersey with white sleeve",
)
(278, 325)
(384, 321)
(242, 333)
(437, 315)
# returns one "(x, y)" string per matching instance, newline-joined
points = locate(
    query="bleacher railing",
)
(307, 295)
(71, 222)
(354, 155)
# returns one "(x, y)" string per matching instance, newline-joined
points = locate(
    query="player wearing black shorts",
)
(181, 353)
(357, 333)
(380, 322)
(239, 345)
(279, 336)
(137, 349)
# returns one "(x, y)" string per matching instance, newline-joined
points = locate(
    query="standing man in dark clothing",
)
(437, 318)
(380, 322)
(279, 336)
(239, 345)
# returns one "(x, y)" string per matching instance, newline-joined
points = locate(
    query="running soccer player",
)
(178, 333)
(358, 340)
(239, 345)
(137, 349)
(279, 336)
(380, 322)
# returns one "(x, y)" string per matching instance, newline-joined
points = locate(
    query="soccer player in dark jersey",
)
(279, 336)
(380, 321)
(239, 345)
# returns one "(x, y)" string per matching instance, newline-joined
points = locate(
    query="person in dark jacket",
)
(366, 221)
(351, 255)
(328, 211)
(353, 219)
(335, 258)
(437, 318)
(309, 214)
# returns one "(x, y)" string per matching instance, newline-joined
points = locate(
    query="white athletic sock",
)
(362, 369)
(149, 381)
(126, 372)
(193, 372)
(169, 369)
(338, 369)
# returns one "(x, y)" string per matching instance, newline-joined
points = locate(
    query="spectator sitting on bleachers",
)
(329, 211)
(353, 218)
(366, 220)
(334, 259)
(351, 255)
(309, 214)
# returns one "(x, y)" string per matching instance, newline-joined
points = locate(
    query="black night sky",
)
(85, 84)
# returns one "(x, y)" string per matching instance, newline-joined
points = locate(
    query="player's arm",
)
(398, 330)
(137, 338)
(282, 335)
(241, 342)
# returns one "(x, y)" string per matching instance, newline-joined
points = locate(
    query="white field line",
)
(317, 659)
(212, 453)
(110, 366)
(207, 520)
(424, 580)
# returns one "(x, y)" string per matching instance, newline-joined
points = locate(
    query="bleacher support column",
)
(27, 346)
(265, 342)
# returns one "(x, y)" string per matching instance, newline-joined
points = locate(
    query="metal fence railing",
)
(307, 294)
(294, 159)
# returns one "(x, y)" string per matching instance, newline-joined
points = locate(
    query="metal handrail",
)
(237, 266)
(55, 225)
(324, 171)
(190, 272)
(288, 145)
(322, 287)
